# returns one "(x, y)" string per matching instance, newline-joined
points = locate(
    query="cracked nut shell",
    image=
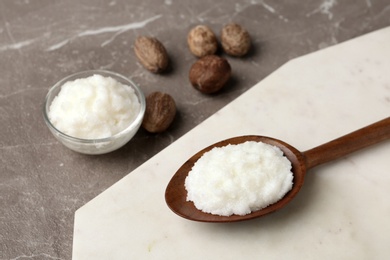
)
(159, 113)
(210, 73)
(151, 53)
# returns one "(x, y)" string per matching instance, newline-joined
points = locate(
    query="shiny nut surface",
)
(210, 74)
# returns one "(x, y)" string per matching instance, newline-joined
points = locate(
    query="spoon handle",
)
(349, 143)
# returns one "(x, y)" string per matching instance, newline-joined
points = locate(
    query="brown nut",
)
(159, 113)
(235, 40)
(202, 41)
(210, 73)
(151, 54)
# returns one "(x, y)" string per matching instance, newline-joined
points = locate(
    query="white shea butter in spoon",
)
(239, 179)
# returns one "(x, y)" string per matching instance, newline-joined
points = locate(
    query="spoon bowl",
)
(176, 194)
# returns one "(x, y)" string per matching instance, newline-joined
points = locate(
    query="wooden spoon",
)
(175, 194)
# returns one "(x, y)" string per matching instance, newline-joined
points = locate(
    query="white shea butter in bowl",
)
(94, 112)
(239, 179)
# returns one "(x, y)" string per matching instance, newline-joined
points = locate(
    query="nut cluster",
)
(210, 73)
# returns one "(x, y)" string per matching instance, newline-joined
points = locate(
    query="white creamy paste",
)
(94, 107)
(239, 179)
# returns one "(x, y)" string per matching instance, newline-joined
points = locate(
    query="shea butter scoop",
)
(301, 162)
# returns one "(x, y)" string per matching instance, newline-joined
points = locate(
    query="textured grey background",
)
(42, 183)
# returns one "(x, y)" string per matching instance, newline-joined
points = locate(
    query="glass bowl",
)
(102, 145)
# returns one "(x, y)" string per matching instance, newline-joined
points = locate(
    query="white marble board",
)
(343, 210)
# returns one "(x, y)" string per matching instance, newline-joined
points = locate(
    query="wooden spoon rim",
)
(175, 194)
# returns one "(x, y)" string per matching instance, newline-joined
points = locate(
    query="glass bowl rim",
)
(124, 132)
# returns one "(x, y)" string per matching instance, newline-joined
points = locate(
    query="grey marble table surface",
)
(42, 183)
